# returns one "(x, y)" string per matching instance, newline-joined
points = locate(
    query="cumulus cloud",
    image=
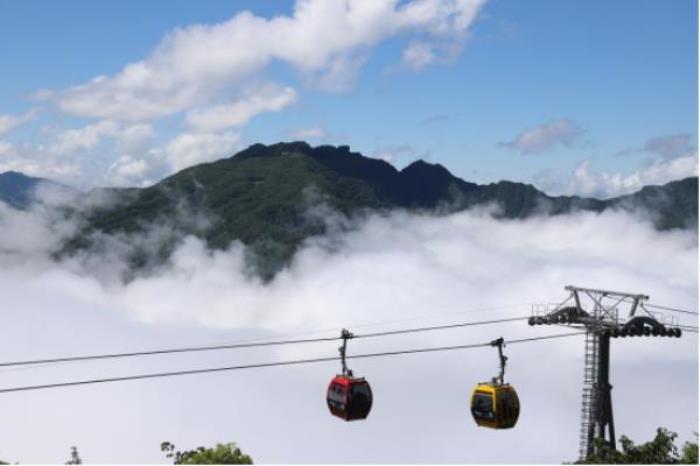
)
(586, 182)
(135, 138)
(546, 137)
(85, 156)
(218, 117)
(212, 76)
(37, 160)
(191, 148)
(405, 269)
(326, 41)
(10, 122)
(109, 153)
(84, 138)
(129, 171)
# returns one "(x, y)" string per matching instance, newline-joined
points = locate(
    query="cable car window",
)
(482, 406)
(511, 401)
(501, 409)
(360, 400)
(337, 393)
(361, 390)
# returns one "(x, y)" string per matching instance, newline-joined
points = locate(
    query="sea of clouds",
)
(388, 271)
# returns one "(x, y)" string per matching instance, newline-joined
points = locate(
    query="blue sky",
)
(594, 97)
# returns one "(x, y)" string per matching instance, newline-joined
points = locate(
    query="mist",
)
(386, 271)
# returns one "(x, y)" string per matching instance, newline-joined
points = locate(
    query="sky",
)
(592, 98)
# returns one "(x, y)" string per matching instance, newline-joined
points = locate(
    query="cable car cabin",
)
(495, 406)
(349, 398)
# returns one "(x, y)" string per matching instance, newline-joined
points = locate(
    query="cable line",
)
(415, 318)
(243, 345)
(164, 351)
(683, 311)
(438, 327)
(665, 308)
(273, 364)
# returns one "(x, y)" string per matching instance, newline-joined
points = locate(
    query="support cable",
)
(272, 364)
(245, 345)
(439, 327)
(671, 309)
(666, 308)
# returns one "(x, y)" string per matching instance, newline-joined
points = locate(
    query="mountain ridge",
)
(19, 190)
(261, 196)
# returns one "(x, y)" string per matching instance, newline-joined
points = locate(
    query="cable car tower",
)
(611, 314)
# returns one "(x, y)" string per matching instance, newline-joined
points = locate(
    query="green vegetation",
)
(660, 450)
(74, 456)
(227, 453)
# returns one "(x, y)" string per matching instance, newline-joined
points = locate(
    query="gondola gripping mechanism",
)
(345, 335)
(500, 343)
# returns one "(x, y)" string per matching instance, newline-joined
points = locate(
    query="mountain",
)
(673, 205)
(271, 198)
(19, 190)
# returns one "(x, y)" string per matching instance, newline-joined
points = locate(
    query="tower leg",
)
(603, 422)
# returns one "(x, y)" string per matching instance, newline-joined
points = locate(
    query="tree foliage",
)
(74, 456)
(661, 450)
(227, 453)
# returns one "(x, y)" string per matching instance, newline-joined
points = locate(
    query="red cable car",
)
(349, 398)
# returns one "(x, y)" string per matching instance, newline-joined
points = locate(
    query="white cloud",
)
(315, 132)
(111, 154)
(36, 160)
(188, 149)
(326, 40)
(218, 117)
(85, 138)
(88, 156)
(135, 138)
(10, 122)
(605, 184)
(129, 171)
(546, 137)
(6, 148)
(418, 55)
(391, 268)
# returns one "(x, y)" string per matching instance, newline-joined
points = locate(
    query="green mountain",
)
(18, 190)
(272, 198)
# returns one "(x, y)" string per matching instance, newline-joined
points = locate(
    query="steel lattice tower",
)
(602, 321)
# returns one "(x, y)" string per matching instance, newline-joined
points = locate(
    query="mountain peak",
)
(423, 166)
(274, 150)
(17, 175)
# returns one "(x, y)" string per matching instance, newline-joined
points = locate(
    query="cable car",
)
(495, 404)
(348, 397)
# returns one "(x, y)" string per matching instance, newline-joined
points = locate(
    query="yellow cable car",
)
(495, 404)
